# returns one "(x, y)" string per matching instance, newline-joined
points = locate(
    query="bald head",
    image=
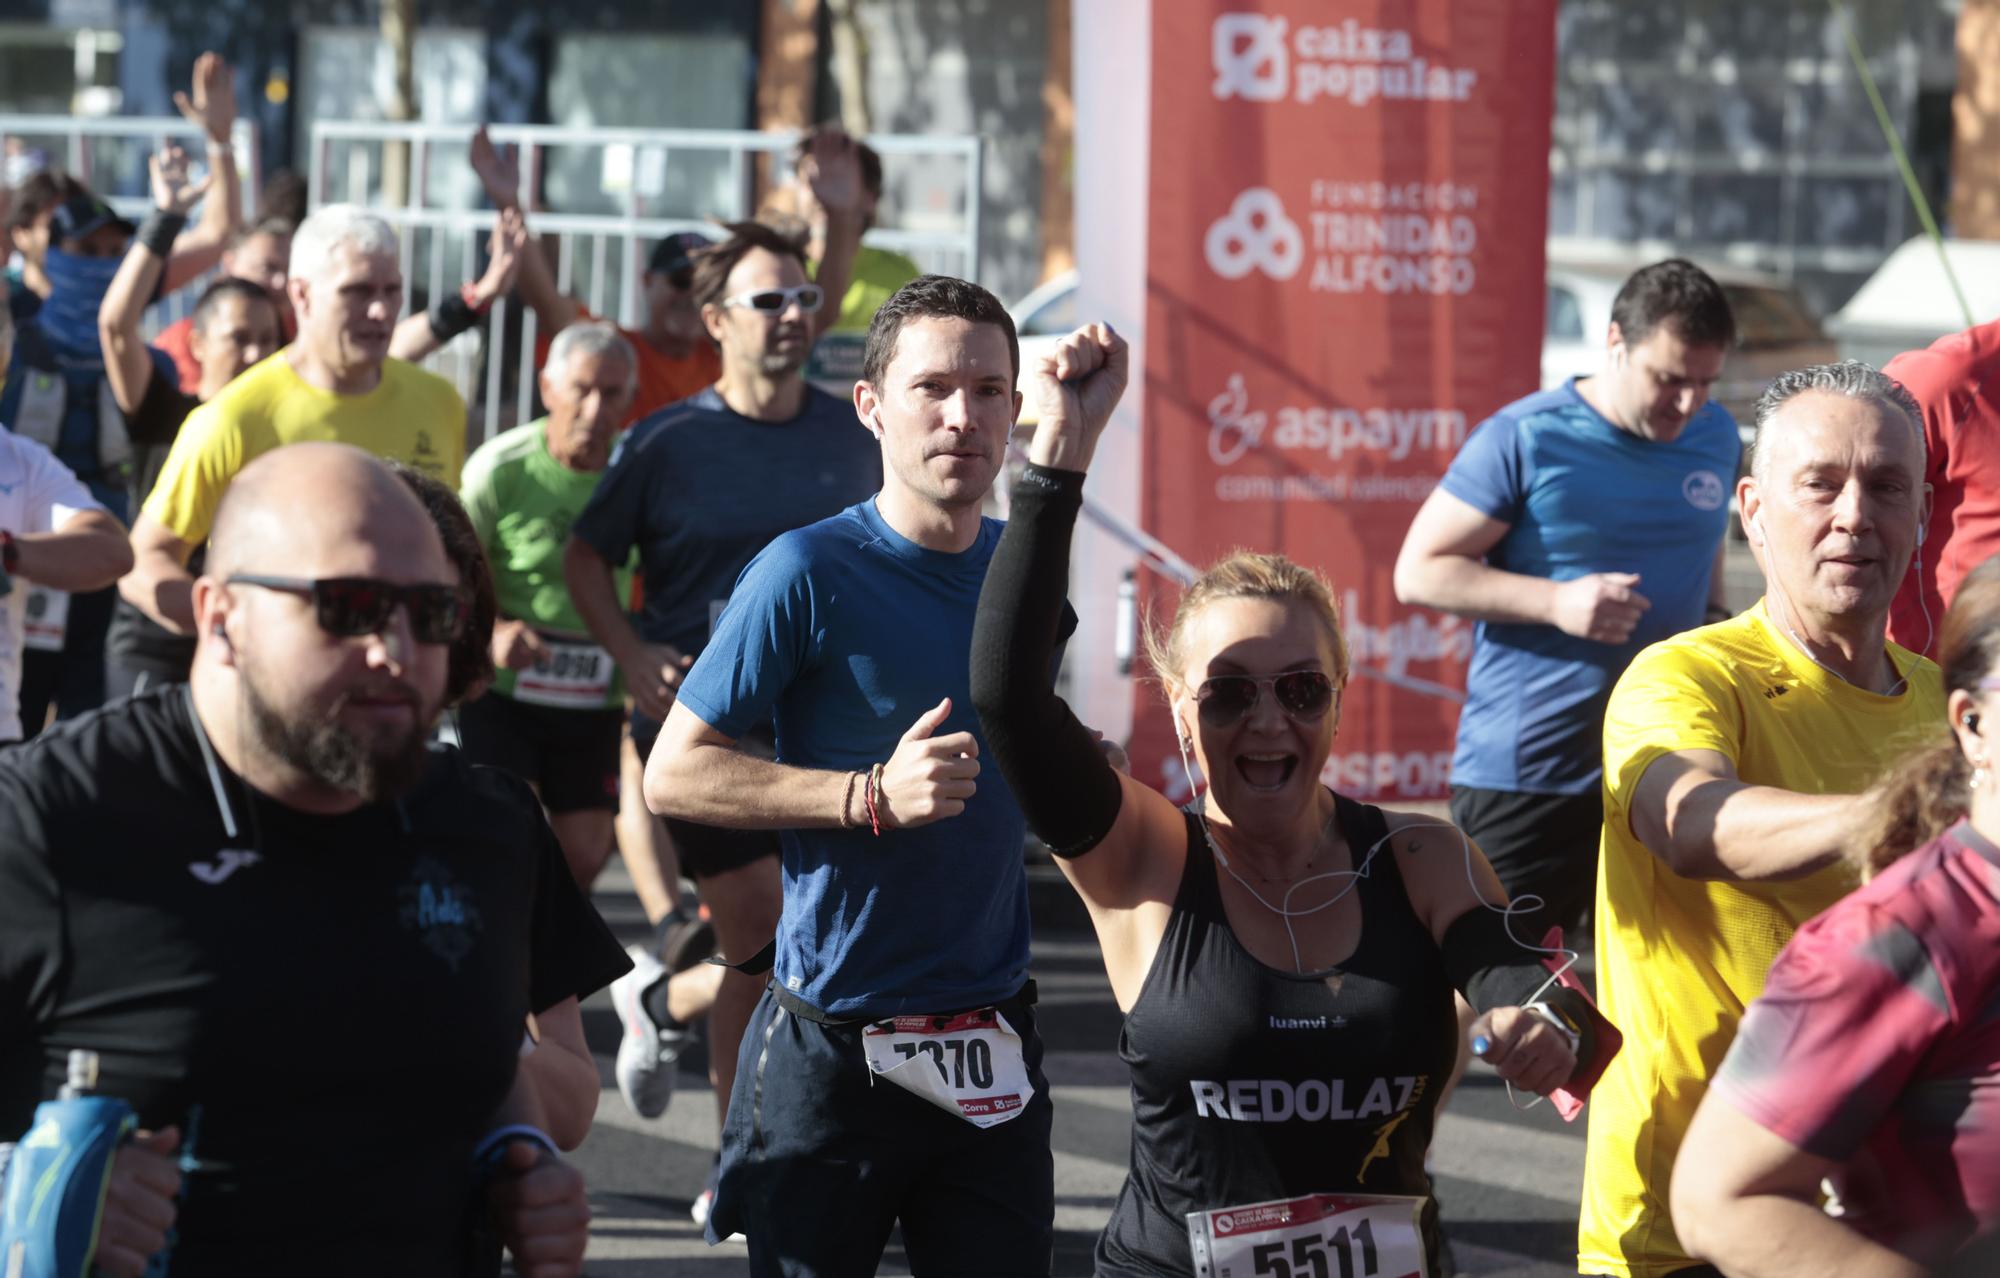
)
(323, 510)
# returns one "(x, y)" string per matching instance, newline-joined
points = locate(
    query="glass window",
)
(1565, 315)
(1846, 212)
(1736, 208)
(1635, 206)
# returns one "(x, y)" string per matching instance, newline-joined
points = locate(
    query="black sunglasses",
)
(352, 606)
(1225, 700)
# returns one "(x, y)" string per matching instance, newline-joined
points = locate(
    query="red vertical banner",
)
(1346, 214)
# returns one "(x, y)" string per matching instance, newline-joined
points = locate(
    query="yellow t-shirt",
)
(411, 416)
(1677, 959)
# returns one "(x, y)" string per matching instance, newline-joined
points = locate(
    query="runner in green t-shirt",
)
(555, 713)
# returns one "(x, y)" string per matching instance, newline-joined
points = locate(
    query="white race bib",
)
(573, 676)
(1315, 1236)
(47, 614)
(969, 1065)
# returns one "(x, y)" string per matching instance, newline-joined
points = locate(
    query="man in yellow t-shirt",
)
(335, 382)
(1733, 756)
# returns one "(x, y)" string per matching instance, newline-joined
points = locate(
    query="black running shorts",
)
(569, 756)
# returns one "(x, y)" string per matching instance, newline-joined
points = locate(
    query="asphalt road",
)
(1508, 1182)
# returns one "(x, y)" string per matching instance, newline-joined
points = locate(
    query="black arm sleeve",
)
(1068, 792)
(1492, 970)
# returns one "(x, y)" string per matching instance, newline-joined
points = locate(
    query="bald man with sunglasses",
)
(238, 890)
(698, 489)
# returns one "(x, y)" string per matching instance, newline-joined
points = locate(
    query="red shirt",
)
(1956, 380)
(663, 379)
(1876, 1045)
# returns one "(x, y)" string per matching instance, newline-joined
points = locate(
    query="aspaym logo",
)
(1233, 429)
(1255, 235)
(1250, 58)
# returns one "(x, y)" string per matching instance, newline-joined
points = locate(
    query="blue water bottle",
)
(53, 1195)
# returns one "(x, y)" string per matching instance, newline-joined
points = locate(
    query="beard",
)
(334, 756)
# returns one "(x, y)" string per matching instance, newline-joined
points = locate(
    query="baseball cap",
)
(676, 253)
(80, 215)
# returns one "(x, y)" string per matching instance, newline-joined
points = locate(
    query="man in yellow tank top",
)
(334, 383)
(1732, 755)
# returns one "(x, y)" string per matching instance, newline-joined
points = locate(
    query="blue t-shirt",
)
(699, 489)
(841, 635)
(1580, 496)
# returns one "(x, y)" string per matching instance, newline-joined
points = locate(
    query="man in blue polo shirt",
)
(1576, 527)
(897, 1067)
(696, 490)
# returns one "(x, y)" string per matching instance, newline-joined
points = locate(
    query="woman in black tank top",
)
(1280, 951)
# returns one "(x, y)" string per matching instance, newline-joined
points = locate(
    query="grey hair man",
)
(555, 713)
(1734, 760)
(334, 382)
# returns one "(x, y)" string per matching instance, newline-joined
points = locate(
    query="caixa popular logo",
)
(1255, 234)
(1250, 58)
(1263, 58)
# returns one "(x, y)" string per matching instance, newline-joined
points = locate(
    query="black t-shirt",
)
(135, 637)
(342, 997)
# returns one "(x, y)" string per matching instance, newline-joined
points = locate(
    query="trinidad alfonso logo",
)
(1255, 235)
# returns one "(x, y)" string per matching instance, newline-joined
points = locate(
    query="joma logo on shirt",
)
(227, 862)
(1276, 1100)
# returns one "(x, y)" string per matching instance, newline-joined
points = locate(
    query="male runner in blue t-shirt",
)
(1577, 526)
(904, 894)
(697, 489)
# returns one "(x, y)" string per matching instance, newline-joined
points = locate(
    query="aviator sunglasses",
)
(354, 606)
(773, 301)
(1225, 700)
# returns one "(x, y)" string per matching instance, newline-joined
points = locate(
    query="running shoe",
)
(704, 1202)
(649, 1050)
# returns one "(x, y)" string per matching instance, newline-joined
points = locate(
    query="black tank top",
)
(1250, 1084)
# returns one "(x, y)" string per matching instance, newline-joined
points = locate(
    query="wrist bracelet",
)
(874, 792)
(468, 293)
(846, 801)
(486, 1155)
(158, 232)
(450, 317)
